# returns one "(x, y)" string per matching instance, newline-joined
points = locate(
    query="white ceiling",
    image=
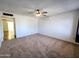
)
(51, 6)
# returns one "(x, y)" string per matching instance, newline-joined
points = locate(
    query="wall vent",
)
(7, 14)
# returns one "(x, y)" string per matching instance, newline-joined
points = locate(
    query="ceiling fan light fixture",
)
(38, 13)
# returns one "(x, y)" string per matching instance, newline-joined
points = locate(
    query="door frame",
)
(13, 19)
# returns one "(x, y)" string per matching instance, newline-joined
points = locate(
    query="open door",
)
(77, 33)
(9, 28)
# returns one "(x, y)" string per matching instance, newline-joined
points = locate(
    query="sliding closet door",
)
(77, 33)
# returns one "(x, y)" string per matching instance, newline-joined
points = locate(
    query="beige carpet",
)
(38, 46)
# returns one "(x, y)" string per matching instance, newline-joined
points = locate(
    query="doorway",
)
(77, 33)
(8, 28)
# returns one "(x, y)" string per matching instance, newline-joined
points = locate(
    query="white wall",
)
(25, 25)
(61, 26)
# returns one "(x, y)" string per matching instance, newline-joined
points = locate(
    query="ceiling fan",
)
(35, 12)
(39, 12)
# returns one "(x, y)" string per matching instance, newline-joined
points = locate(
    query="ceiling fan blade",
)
(45, 12)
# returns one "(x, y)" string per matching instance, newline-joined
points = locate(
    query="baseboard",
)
(26, 35)
(59, 39)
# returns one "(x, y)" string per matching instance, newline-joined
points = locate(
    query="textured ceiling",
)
(51, 6)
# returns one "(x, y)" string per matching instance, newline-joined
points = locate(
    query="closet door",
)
(77, 33)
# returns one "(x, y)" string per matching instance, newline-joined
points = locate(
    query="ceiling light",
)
(38, 12)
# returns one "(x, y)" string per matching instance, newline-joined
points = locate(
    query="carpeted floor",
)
(38, 46)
